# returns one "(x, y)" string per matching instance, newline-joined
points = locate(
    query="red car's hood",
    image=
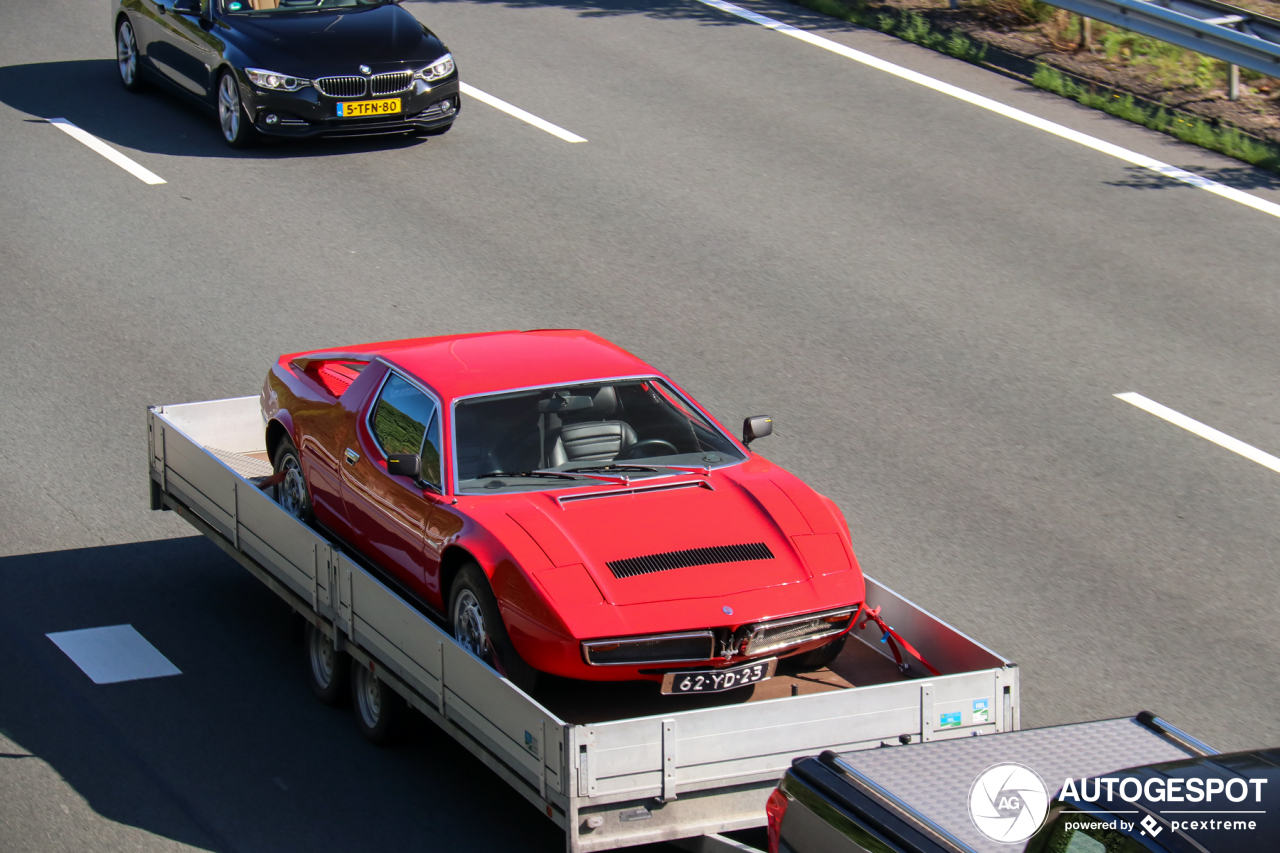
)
(653, 521)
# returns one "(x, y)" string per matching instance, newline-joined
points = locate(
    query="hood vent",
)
(651, 563)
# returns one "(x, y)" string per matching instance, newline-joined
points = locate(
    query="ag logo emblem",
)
(1008, 802)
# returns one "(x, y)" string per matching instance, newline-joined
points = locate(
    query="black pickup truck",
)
(1131, 785)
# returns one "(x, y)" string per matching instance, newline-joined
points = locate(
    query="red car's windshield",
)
(546, 437)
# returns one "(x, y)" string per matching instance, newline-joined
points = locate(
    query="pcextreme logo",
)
(1008, 802)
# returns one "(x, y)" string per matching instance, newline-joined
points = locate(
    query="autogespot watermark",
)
(1008, 802)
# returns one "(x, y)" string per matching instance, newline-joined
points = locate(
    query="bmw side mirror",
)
(757, 426)
(405, 465)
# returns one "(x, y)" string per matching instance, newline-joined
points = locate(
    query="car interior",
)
(593, 425)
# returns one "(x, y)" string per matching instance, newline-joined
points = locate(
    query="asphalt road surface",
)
(937, 304)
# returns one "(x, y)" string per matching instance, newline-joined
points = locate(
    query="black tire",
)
(821, 656)
(328, 669)
(477, 624)
(127, 56)
(378, 708)
(237, 130)
(294, 495)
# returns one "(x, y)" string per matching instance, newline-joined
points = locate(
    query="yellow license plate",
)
(353, 109)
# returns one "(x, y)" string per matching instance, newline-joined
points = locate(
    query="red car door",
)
(387, 515)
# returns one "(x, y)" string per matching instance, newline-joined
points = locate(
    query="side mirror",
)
(757, 426)
(405, 465)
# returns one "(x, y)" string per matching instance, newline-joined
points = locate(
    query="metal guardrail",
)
(1234, 35)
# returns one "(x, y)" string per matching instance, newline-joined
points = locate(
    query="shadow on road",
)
(235, 753)
(1237, 177)
(88, 93)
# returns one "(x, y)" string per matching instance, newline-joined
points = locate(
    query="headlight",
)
(272, 80)
(442, 67)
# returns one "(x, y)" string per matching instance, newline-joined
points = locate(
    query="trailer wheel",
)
(822, 655)
(328, 668)
(378, 707)
(477, 625)
(292, 493)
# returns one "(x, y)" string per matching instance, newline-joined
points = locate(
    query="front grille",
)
(390, 83)
(341, 87)
(792, 632)
(632, 566)
(671, 648)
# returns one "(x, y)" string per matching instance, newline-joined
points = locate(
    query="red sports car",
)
(565, 507)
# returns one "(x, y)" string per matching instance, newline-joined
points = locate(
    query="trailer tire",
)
(477, 624)
(327, 668)
(292, 494)
(378, 708)
(822, 655)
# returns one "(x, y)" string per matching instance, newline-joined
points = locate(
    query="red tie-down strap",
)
(892, 637)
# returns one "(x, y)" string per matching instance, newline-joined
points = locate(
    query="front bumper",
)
(307, 113)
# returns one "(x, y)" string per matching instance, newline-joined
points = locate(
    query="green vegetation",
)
(1167, 65)
(1227, 140)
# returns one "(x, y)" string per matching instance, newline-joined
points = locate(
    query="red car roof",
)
(460, 365)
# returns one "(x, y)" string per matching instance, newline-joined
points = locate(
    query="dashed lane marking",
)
(1219, 438)
(88, 139)
(510, 109)
(115, 653)
(1008, 112)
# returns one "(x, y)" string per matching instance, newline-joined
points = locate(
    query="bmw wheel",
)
(477, 626)
(127, 56)
(236, 130)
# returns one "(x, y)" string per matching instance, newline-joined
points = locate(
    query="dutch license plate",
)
(715, 680)
(355, 109)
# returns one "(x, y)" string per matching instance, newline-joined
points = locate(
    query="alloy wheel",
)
(293, 490)
(468, 624)
(229, 107)
(127, 53)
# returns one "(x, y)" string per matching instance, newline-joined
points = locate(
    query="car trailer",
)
(687, 768)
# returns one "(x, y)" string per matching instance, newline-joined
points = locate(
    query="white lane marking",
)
(115, 653)
(1221, 439)
(145, 175)
(1004, 110)
(498, 103)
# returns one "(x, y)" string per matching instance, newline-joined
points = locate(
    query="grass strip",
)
(916, 28)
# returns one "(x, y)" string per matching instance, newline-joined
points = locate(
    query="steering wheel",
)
(642, 449)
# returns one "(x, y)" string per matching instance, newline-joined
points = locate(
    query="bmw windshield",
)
(553, 438)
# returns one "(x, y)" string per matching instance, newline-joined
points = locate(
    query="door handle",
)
(352, 456)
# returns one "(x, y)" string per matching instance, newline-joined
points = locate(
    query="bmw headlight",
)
(271, 80)
(442, 67)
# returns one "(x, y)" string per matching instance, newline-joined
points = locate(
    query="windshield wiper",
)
(563, 475)
(684, 469)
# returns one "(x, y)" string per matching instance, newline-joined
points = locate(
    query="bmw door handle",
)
(352, 456)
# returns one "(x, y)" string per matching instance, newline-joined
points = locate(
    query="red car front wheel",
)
(477, 626)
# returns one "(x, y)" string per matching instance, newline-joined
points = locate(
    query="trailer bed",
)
(615, 765)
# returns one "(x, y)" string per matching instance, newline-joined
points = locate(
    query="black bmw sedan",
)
(294, 68)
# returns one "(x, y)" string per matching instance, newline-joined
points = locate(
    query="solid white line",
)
(1221, 439)
(144, 175)
(112, 654)
(1004, 110)
(498, 103)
